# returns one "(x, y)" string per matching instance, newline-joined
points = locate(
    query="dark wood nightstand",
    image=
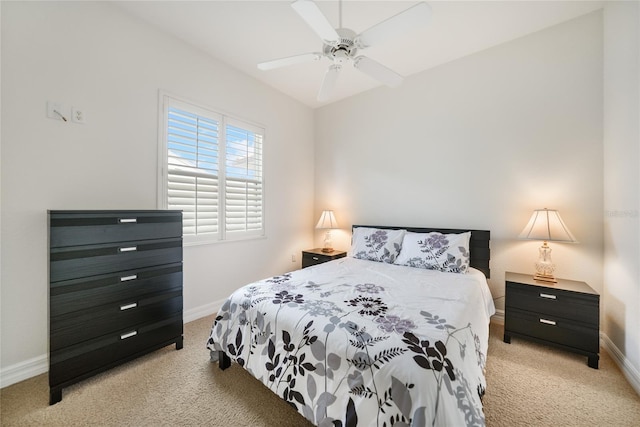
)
(316, 256)
(564, 314)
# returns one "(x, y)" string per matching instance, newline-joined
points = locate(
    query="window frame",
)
(167, 100)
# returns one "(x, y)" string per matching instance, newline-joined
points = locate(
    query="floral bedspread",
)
(353, 342)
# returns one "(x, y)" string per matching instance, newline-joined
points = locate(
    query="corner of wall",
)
(628, 370)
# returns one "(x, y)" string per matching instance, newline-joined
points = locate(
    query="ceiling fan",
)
(341, 45)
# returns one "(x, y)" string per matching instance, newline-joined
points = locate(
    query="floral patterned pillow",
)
(436, 251)
(376, 244)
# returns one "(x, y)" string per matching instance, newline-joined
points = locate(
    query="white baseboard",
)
(39, 365)
(498, 318)
(629, 371)
(202, 311)
(24, 370)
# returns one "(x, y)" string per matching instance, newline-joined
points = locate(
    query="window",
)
(212, 171)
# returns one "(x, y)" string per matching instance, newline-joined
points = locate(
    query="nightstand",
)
(316, 256)
(564, 314)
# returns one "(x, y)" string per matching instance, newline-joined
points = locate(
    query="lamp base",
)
(544, 266)
(544, 278)
(327, 243)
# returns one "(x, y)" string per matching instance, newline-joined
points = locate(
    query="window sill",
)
(217, 242)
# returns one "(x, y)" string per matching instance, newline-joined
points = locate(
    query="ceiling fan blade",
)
(329, 82)
(377, 71)
(290, 60)
(315, 19)
(414, 17)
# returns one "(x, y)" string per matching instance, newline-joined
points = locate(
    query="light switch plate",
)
(54, 111)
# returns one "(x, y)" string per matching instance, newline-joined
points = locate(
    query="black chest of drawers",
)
(565, 314)
(115, 290)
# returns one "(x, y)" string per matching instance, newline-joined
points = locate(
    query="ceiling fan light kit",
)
(341, 45)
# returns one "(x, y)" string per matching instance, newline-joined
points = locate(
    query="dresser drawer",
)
(553, 329)
(79, 326)
(573, 306)
(90, 357)
(82, 261)
(81, 228)
(78, 294)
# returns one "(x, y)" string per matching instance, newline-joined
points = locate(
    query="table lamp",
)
(546, 225)
(327, 222)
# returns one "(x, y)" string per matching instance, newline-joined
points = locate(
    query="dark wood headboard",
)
(479, 251)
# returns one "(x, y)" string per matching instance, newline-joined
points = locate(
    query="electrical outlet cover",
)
(77, 115)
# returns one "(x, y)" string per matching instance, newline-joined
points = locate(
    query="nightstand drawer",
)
(554, 302)
(317, 256)
(313, 259)
(554, 329)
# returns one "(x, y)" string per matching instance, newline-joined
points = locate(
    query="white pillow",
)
(376, 244)
(436, 251)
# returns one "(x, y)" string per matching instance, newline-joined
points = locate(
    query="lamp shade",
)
(546, 224)
(327, 220)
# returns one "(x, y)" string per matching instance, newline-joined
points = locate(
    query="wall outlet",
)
(293, 258)
(77, 115)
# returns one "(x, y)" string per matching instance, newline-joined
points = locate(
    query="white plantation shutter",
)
(213, 173)
(243, 185)
(192, 154)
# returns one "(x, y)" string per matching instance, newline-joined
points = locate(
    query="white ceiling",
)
(244, 33)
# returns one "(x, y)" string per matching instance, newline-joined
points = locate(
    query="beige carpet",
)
(528, 385)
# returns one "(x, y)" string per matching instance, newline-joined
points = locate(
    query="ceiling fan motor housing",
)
(344, 48)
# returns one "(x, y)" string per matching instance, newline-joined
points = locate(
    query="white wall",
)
(92, 55)
(622, 182)
(479, 142)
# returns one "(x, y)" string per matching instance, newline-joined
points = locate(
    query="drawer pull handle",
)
(315, 258)
(128, 335)
(548, 322)
(128, 249)
(548, 296)
(127, 278)
(127, 220)
(128, 306)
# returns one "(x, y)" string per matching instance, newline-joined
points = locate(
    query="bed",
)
(396, 333)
